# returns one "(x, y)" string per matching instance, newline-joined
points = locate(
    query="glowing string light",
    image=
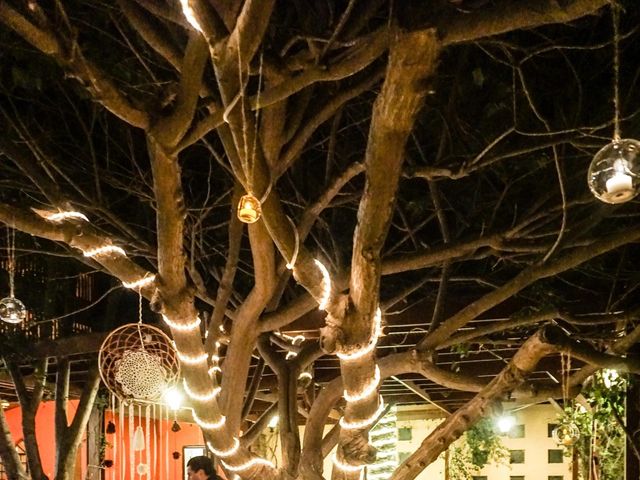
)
(296, 238)
(143, 282)
(209, 425)
(347, 425)
(215, 369)
(190, 15)
(326, 285)
(61, 216)
(371, 344)
(104, 250)
(298, 339)
(200, 397)
(346, 467)
(215, 358)
(291, 355)
(305, 375)
(192, 360)
(367, 391)
(225, 453)
(182, 327)
(248, 464)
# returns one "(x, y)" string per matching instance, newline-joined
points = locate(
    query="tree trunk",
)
(9, 453)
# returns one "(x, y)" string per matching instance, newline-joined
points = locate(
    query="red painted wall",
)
(162, 443)
(158, 452)
(45, 433)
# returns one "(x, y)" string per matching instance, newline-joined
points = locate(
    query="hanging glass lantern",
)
(566, 434)
(614, 173)
(249, 209)
(12, 310)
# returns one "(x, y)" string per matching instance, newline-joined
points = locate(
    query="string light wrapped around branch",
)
(370, 345)
(61, 216)
(360, 424)
(205, 425)
(200, 397)
(225, 453)
(141, 283)
(367, 391)
(138, 362)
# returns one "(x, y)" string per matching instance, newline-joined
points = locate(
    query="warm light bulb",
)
(173, 397)
(505, 423)
(249, 209)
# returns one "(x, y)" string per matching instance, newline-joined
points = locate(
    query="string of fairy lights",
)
(364, 393)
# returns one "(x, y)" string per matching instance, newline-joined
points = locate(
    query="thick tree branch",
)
(250, 28)
(69, 56)
(525, 278)
(368, 50)
(506, 16)
(9, 453)
(169, 130)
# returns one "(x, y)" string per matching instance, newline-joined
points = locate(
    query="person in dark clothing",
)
(201, 468)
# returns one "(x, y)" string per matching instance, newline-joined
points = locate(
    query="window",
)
(404, 433)
(516, 477)
(555, 477)
(550, 428)
(555, 456)
(516, 456)
(517, 431)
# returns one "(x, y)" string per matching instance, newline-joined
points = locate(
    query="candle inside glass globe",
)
(12, 310)
(249, 209)
(614, 171)
(566, 434)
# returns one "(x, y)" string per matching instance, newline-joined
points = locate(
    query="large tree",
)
(392, 143)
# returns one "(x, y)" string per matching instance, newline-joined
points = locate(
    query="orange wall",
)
(162, 443)
(45, 433)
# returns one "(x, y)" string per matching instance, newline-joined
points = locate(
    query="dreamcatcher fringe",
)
(115, 439)
(121, 439)
(166, 439)
(132, 427)
(152, 467)
(147, 445)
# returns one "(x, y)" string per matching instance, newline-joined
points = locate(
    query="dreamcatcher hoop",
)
(138, 363)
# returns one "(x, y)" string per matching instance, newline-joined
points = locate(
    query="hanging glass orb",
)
(566, 434)
(12, 310)
(249, 209)
(614, 173)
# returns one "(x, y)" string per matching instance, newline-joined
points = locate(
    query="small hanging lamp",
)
(614, 173)
(12, 310)
(566, 434)
(175, 427)
(249, 209)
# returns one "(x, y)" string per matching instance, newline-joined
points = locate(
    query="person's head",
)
(200, 468)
